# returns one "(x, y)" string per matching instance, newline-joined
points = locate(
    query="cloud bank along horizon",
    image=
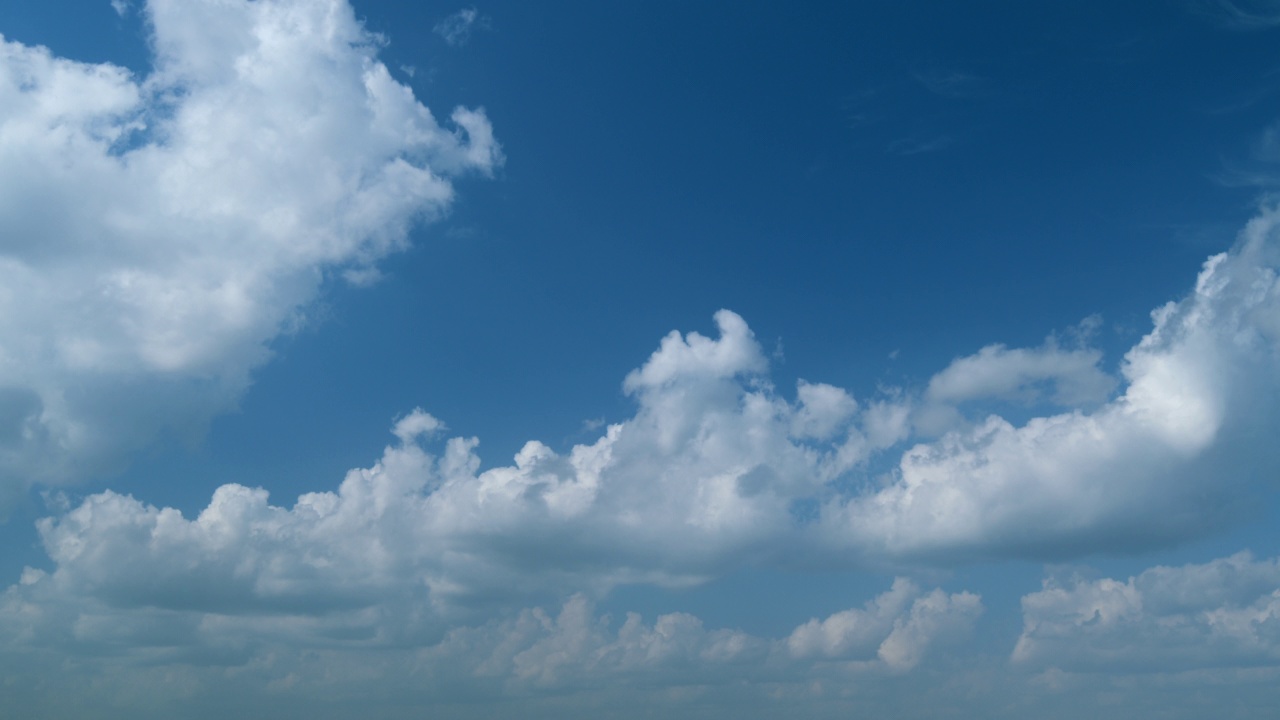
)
(161, 231)
(423, 553)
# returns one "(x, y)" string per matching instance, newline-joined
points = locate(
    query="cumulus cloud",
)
(159, 231)
(1016, 374)
(328, 655)
(717, 469)
(1164, 460)
(1224, 613)
(575, 645)
(578, 647)
(897, 626)
(704, 475)
(1068, 378)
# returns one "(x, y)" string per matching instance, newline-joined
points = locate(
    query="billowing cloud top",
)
(1162, 461)
(716, 470)
(157, 232)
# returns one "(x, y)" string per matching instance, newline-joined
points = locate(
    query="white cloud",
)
(1165, 460)
(897, 627)
(703, 475)
(1222, 613)
(953, 84)
(319, 657)
(574, 646)
(1025, 376)
(578, 647)
(823, 410)
(456, 29)
(716, 469)
(1002, 373)
(1242, 14)
(158, 232)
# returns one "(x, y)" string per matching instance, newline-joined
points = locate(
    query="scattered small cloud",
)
(457, 28)
(1066, 377)
(917, 146)
(953, 84)
(461, 232)
(897, 627)
(1235, 177)
(1241, 15)
(863, 108)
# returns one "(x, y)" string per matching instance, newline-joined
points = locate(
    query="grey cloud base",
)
(153, 661)
(1225, 613)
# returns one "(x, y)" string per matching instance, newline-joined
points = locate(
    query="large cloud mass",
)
(717, 469)
(317, 658)
(1185, 440)
(157, 232)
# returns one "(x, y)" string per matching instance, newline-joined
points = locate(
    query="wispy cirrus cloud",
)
(918, 146)
(1240, 14)
(953, 84)
(458, 27)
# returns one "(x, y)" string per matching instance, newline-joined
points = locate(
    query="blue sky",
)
(639, 359)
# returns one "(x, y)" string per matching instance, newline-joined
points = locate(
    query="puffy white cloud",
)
(704, 475)
(897, 626)
(999, 372)
(1164, 460)
(1221, 613)
(824, 409)
(716, 469)
(158, 232)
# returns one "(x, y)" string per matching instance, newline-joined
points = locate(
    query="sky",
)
(629, 360)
